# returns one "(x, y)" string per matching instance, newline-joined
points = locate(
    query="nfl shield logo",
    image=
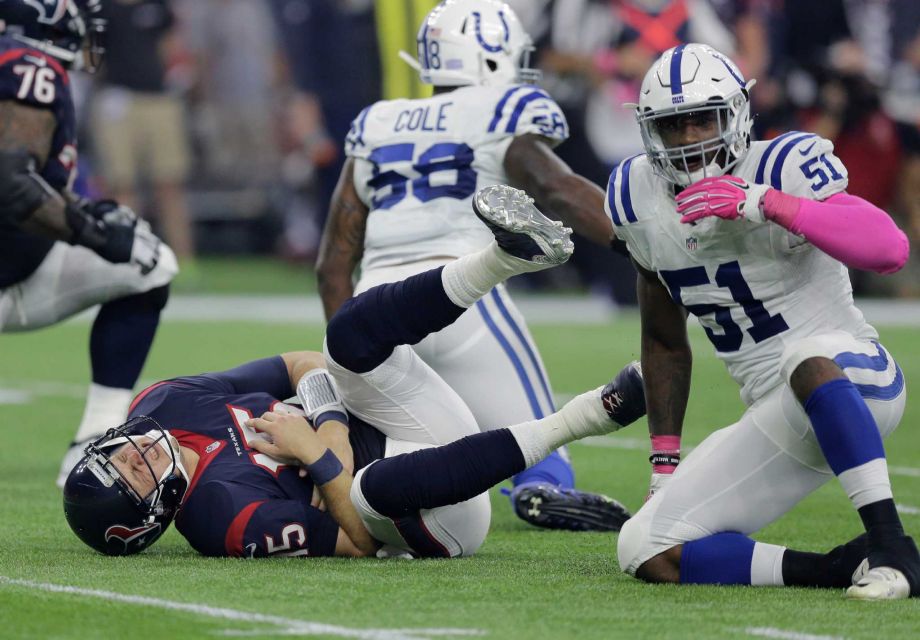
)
(692, 244)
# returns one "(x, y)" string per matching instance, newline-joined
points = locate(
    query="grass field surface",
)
(524, 583)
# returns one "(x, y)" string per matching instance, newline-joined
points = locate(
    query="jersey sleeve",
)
(524, 109)
(226, 519)
(803, 165)
(623, 193)
(268, 375)
(355, 145)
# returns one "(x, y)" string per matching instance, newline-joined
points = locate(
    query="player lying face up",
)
(245, 474)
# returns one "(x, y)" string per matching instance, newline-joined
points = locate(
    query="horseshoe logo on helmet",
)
(491, 48)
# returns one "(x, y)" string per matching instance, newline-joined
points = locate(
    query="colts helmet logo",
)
(128, 535)
(49, 11)
(491, 48)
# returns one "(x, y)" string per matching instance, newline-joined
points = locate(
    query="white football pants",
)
(745, 476)
(71, 279)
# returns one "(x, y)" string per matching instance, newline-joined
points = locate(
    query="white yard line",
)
(642, 444)
(912, 472)
(282, 626)
(908, 510)
(538, 309)
(772, 632)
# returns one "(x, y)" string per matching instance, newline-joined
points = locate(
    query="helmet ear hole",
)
(491, 64)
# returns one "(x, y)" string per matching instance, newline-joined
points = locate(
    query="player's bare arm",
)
(667, 362)
(25, 141)
(293, 438)
(666, 355)
(342, 244)
(561, 193)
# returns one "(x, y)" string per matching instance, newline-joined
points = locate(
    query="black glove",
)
(114, 232)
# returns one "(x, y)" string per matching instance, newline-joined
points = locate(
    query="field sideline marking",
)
(12, 392)
(642, 444)
(285, 626)
(772, 632)
(538, 309)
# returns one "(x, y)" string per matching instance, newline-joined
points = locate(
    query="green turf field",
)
(524, 583)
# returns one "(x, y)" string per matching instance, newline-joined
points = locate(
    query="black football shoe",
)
(551, 507)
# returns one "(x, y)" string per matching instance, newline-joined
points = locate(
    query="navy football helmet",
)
(101, 505)
(63, 29)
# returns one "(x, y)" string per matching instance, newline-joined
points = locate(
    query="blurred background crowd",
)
(222, 121)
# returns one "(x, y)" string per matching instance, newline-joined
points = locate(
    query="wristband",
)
(665, 453)
(331, 414)
(664, 459)
(326, 469)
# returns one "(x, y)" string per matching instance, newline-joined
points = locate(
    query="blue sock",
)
(553, 469)
(723, 558)
(429, 478)
(366, 329)
(843, 425)
(121, 337)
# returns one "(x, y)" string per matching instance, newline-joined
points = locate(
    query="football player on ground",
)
(755, 239)
(60, 254)
(243, 485)
(402, 206)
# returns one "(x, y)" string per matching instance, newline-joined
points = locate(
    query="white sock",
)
(106, 407)
(469, 278)
(867, 483)
(767, 565)
(583, 416)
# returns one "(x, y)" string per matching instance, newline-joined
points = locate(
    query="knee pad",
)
(460, 528)
(631, 542)
(451, 531)
(349, 340)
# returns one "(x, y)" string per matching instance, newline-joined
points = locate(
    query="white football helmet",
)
(473, 42)
(694, 78)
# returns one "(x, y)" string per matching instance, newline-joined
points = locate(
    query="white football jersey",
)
(754, 287)
(419, 162)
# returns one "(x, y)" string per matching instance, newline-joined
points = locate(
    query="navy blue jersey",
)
(241, 502)
(34, 79)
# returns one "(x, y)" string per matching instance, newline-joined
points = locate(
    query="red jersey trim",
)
(233, 542)
(198, 443)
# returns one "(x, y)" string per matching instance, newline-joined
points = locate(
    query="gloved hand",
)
(726, 197)
(114, 232)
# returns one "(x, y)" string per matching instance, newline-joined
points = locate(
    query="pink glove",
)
(726, 197)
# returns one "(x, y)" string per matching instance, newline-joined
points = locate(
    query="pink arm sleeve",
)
(845, 227)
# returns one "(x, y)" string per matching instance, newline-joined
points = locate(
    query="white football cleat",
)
(520, 229)
(879, 583)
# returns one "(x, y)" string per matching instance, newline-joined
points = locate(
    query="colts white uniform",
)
(768, 300)
(417, 165)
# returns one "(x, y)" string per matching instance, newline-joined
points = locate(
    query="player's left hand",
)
(289, 437)
(726, 197)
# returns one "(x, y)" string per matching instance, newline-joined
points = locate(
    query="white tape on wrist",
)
(317, 393)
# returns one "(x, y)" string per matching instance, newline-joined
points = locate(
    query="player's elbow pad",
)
(22, 190)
